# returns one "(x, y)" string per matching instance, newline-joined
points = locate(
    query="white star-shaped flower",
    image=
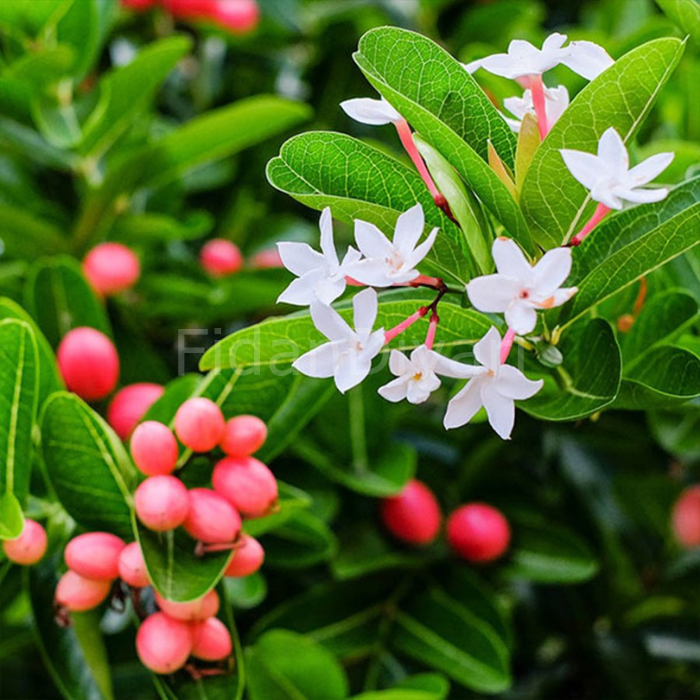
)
(321, 277)
(519, 289)
(368, 111)
(388, 262)
(609, 177)
(349, 354)
(556, 101)
(494, 386)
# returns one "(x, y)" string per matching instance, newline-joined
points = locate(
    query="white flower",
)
(416, 377)
(556, 101)
(368, 111)
(609, 177)
(321, 276)
(519, 289)
(348, 357)
(493, 386)
(524, 59)
(388, 263)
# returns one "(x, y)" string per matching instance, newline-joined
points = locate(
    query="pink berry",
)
(248, 558)
(161, 503)
(199, 424)
(478, 532)
(163, 644)
(243, 436)
(211, 518)
(686, 518)
(211, 640)
(111, 268)
(192, 610)
(238, 17)
(139, 5)
(220, 257)
(89, 363)
(154, 448)
(94, 555)
(132, 566)
(268, 258)
(29, 547)
(414, 515)
(247, 483)
(129, 406)
(77, 593)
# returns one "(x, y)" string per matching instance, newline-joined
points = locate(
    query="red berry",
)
(220, 257)
(154, 448)
(29, 547)
(111, 268)
(192, 610)
(211, 640)
(414, 515)
(478, 532)
(163, 644)
(199, 424)
(94, 555)
(77, 593)
(247, 483)
(89, 363)
(247, 559)
(211, 518)
(238, 16)
(686, 518)
(139, 5)
(161, 503)
(243, 436)
(132, 566)
(129, 406)
(268, 258)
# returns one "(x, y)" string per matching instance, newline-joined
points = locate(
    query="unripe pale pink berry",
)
(163, 643)
(129, 406)
(478, 532)
(77, 593)
(154, 448)
(247, 483)
(220, 257)
(29, 547)
(199, 424)
(686, 518)
(269, 258)
(132, 566)
(161, 503)
(192, 610)
(414, 515)
(111, 268)
(248, 558)
(94, 555)
(211, 640)
(243, 435)
(211, 518)
(89, 363)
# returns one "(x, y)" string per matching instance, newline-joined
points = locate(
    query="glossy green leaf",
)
(303, 540)
(684, 13)
(23, 234)
(83, 26)
(423, 686)
(291, 501)
(147, 228)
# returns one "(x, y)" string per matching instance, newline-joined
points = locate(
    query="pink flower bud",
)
(478, 532)
(247, 559)
(161, 503)
(211, 640)
(192, 610)
(132, 566)
(77, 593)
(686, 518)
(29, 547)
(243, 436)
(414, 515)
(247, 483)
(211, 518)
(89, 363)
(95, 555)
(154, 448)
(163, 644)
(220, 257)
(111, 268)
(129, 406)
(199, 424)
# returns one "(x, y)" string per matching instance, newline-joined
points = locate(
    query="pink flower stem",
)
(598, 216)
(538, 102)
(397, 330)
(507, 344)
(430, 338)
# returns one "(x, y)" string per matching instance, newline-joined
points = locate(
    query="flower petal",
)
(488, 350)
(642, 196)
(510, 260)
(418, 391)
(396, 390)
(556, 298)
(612, 152)
(551, 270)
(492, 293)
(423, 249)
(557, 100)
(409, 229)
(513, 384)
(365, 307)
(351, 370)
(299, 258)
(464, 406)
(399, 364)
(371, 241)
(374, 272)
(650, 168)
(521, 317)
(300, 292)
(327, 290)
(319, 362)
(330, 323)
(499, 409)
(553, 42)
(451, 368)
(368, 111)
(585, 167)
(587, 59)
(327, 245)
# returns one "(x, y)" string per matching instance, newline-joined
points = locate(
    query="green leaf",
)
(147, 228)
(176, 392)
(19, 387)
(84, 27)
(302, 541)
(325, 169)
(422, 686)
(684, 13)
(291, 500)
(555, 204)
(23, 234)
(87, 465)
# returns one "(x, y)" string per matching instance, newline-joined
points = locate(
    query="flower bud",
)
(192, 610)
(211, 640)
(211, 518)
(154, 448)
(686, 518)
(163, 644)
(220, 257)
(29, 547)
(413, 515)
(132, 566)
(247, 483)
(77, 593)
(247, 559)
(199, 424)
(130, 405)
(94, 555)
(161, 503)
(243, 436)
(111, 268)
(478, 532)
